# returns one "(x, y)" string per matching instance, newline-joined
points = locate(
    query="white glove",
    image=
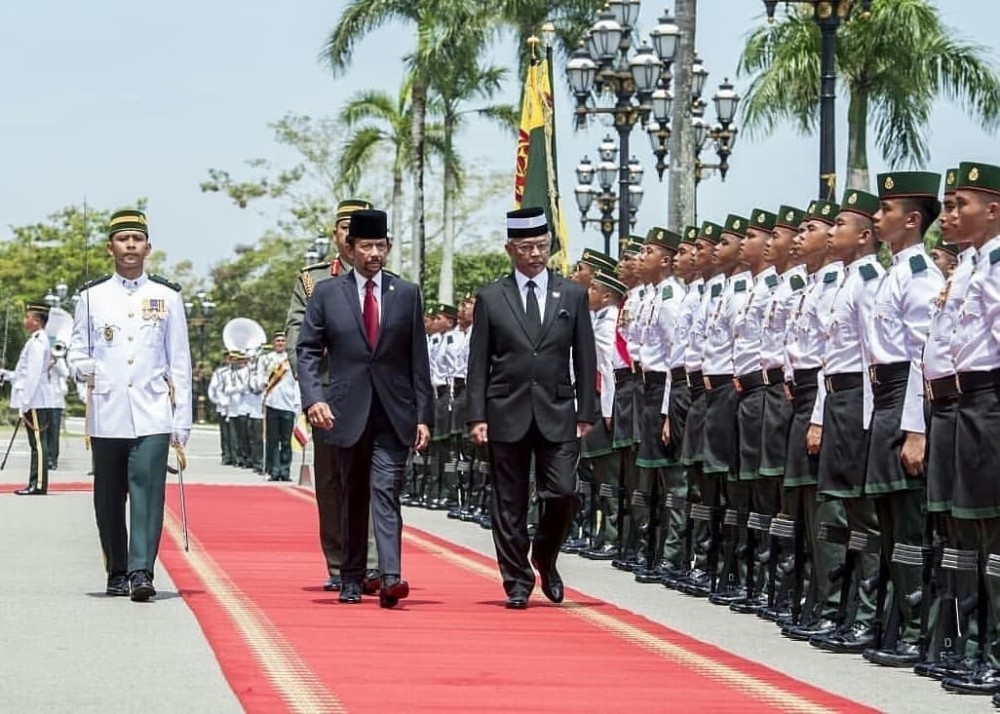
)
(180, 437)
(85, 367)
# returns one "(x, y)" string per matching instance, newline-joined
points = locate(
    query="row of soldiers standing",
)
(791, 429)
(257, 401)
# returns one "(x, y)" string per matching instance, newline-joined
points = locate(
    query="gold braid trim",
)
(307, 284)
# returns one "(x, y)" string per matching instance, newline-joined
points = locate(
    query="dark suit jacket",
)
(513, 380)
(397, 370)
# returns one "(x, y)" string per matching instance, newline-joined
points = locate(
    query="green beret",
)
(909, 184)
(598, 261)
(950, 181)
(690, 235)
(348, 206)
(979, 177)
(825, 211)
(861, 202)
(737, 225)
(446, 310)
(663, 238)
(790, 217)
(712, 232)
(762, 220)
(128, 220)
(611, 283)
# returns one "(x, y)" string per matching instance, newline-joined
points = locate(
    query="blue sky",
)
(115, 100)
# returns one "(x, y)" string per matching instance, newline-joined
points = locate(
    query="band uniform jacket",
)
(137, 333)
(397, 370)
(513, 379)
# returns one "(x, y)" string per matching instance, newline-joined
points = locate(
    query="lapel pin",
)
(555, 293)
(391, 288)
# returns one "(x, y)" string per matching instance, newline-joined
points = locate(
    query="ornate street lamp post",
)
(199, 312)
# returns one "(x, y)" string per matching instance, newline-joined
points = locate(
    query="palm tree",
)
(893, 64)
(456, 82)
(438, 23)
(572, 19)
(377, 121)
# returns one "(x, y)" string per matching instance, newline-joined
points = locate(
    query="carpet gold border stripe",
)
(293, 680)
(746, 683)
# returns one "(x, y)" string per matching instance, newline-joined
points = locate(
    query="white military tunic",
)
(29, 381)
(136, 332)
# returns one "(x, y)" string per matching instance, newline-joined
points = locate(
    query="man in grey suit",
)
(378, 403)
(529, 327)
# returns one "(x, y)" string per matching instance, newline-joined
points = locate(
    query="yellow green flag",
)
(535, 180)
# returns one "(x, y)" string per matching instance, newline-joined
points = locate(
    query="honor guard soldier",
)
(217, 395)
(659, 468)
(281, 404)
(843, 410)
(326, 474)
(751, 382)
(58, 374)
(130, 343)
(897, 333)
(31, 396)
(458, 367)
(804, 352)
(432, 496)
(253, 405)
(452, 347)
(975, 347)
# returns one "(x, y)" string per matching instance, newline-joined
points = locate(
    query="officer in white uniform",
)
(130, 342)
(281, 403)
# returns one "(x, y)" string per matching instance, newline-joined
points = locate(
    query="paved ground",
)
(66, 648)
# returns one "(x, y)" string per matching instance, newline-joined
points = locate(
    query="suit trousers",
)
(278, 441)
(371, 473)
(555, 479)
(136, 470)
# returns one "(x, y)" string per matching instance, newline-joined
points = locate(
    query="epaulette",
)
(667, 292)
(701, 288)
(868, 272)
(771, 280)
(995, 256)
(830, 277)
(451, 339)
(796, 282)
(716, 290)
(96, 281)
(316, 266)
(740, 286)
(918, 264)
(163, 281)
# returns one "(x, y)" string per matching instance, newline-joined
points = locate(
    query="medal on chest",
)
(108, 332)
(154, 309)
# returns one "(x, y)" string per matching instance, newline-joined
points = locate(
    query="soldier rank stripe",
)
(868, 272)
(918, 264)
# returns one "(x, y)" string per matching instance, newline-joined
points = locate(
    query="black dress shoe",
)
(332, 584)
(823, 626)
(142, 586)
(904, 654)
(951, 667)
(748, 605)
(985, 682)
(517, 601)
(853, 640)
(117, 585)
(552, 584)
(605, 552)
(393, 590)
(30, 491)
(350, 593)
(727, 597)
(371, 582)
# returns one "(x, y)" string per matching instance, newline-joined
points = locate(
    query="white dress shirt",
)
(748, 325)
(976, 342)
(939, 360)
(30, 383)
(780, 307)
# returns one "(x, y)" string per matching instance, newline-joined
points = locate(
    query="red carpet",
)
(285, 645)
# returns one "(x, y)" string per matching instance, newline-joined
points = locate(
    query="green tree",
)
(473, 270)
(893, 65)
(572, 20)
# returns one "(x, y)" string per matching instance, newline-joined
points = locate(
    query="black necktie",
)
(531, 310)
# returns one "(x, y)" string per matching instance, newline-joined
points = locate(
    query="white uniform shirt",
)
(780, 306)
(662, 308)
(699, 325)
(435, 351)
(748, 324)
(30, 382)
(844, 330)
(901, 320)
(284, 395)
(938, 356)
(976, 344)
(806, 346)
(629, 319)
(137, 333)
(717, 353)
(216, 390)
(454, 355)
(58, 374)
(605, 322)
(686, 313)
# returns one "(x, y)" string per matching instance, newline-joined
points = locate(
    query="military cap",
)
(598, 261)
(468, 297)
(526, 223)
(712, 232)
(611, 283)
(236, 354)
(277, 333)
(861, 202)
(737, 225)
(663, 238)
(950, 181)
(825, 211)
(128, 220)
(908, 184)
(38, 307)
(371, 224)
(632, 246)
(790, 217)
(762, 220)
(974, 176)
(951, 248)
(446, 310)
(689, 235)
(348, 206)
